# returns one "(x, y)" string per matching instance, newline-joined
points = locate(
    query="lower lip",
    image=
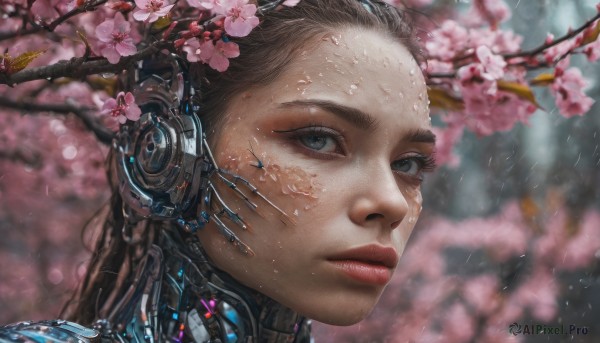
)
(364, 272)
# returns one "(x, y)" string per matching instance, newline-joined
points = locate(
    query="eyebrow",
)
(352, 115)
(359, 118)
(420, 136)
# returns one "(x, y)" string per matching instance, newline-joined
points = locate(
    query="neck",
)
(239, 311)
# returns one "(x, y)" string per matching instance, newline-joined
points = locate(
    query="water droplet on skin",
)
(335, 40)
(415, 107)
(275, 271)
(321, 74)
(296, 212)
(412, 72)
(411, 220)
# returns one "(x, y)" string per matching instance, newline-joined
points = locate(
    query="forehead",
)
(364, 69)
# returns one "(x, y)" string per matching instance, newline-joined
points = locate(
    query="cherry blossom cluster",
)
(478, 73)
(481, 79)
(118, 31)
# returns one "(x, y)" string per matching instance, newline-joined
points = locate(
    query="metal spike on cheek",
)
(225, 209)
(285, 218)
(233, 186)
(231, 237)
(254, 190)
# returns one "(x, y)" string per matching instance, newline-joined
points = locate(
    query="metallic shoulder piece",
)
(48, 331)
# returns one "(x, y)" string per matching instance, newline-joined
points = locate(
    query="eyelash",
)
(427, 163)
(316, 130)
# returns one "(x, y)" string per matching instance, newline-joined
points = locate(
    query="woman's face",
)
(343, 137)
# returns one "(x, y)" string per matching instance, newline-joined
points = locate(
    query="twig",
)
(53, 25)
(545, 46)
(78, 68)
(103, 134)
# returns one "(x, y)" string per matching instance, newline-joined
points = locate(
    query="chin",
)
(342, 316)
(340, 309)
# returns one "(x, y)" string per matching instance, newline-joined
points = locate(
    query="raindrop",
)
(412, 72)
(55, 276)
(69, 152)
(585, 282)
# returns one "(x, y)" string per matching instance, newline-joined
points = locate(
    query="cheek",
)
(291, 188)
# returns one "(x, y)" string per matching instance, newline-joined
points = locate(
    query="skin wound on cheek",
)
(277, 182)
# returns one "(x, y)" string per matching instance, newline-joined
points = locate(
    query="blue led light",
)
(231, 337)
(175, 315)
(131, 159)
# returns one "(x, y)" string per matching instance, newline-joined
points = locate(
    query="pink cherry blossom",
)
(151, 10)
(202, 4)
(199, 51)
(240, 17)
(446, 138)
(47, 9)
(491, 11)
(568, 92)
(493, 65)
(447, 41)
(554, 53)
(482, 293)
(115, 34)
(499, 41)
(122, 108)
(592, 51)
(217, 56)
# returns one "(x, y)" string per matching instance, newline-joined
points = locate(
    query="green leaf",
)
(543, 79)
(441, 98)
(20, 62)
(521, 90)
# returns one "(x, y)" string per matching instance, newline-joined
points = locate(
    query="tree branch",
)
(78, 68)
(52, 26)
(103, 134)
(545, 46)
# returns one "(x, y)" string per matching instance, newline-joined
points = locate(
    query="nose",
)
(379, 201)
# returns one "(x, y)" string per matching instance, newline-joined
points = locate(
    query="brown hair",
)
(264, 54)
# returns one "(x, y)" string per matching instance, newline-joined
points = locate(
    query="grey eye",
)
(318, 142)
